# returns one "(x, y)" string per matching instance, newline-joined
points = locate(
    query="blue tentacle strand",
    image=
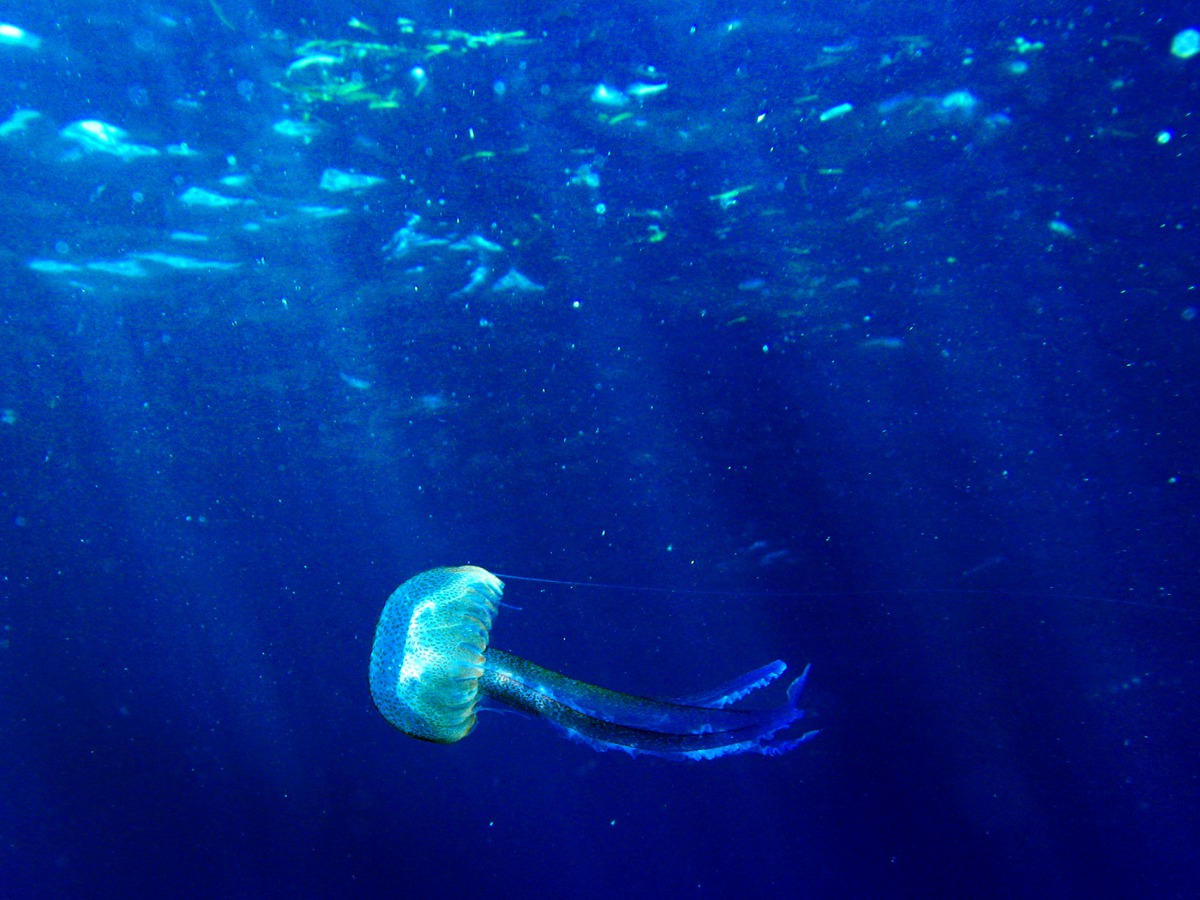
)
(702, 728)
(732, 691)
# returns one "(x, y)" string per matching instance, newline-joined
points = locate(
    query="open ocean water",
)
(865, 336)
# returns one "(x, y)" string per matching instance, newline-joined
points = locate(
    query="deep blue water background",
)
(898, 424)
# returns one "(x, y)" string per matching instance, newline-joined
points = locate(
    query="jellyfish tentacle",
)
(732, 691)
(506, 674)
(607, 720)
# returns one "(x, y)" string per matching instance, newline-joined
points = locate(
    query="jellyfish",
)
(431, 667)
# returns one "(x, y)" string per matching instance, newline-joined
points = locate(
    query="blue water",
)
(299, 300)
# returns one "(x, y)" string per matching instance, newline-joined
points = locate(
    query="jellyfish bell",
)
(428, 654)
(431, 666)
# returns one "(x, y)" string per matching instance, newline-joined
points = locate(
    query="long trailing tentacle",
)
(608, 720)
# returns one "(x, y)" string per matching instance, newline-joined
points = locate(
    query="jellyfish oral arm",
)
(699, 729)
(732, 691)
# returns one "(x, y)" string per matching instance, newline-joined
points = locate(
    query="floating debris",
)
(12, 36)
(606, 95)
(93, 136)
(323, 212)
(1059, 227)
(344, 71)
(420, 78)
(18, 122)
(640, 90)
(455, 41)
(775, 556)
(184, 262)
(882, 343)
(407, 239)
(729, 198)
(960, 101)
(835, 112)
(478, 278)
(515, 282)
(199, 197)
(51, 266)
(336, 181)
(131, 266)
(317, 59)
(294, 128)
(126, 268)
(476, 242)
(1186, 44)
